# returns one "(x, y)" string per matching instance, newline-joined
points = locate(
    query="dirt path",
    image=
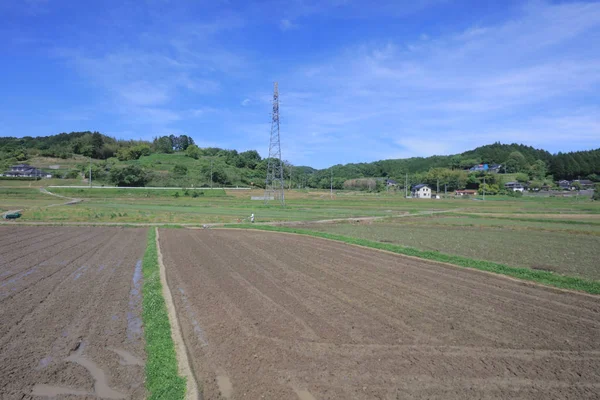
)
(71, 200)
(70, 306)
(281, 317)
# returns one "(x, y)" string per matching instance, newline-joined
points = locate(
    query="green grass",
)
(573, 252)
(117, 205)
(162, 378)
(544, 220)
(142, 193)
(544, 277)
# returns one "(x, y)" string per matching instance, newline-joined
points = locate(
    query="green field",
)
(549, 234)
(563, 248)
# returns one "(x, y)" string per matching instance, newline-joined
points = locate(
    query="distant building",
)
(466, 192)
(391, 182)
(564, 184)
(421, 191)
(479, 168)
(494, 168)
(514, 186)
(26, 171)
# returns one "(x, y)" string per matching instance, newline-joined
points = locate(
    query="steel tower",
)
(274, 183)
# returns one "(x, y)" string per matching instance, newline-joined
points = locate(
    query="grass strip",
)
(162, 378)
(544, 277)
(549, 220)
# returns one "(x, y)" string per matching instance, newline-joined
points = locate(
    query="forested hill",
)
(175, 160)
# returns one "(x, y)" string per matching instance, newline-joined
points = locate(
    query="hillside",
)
(177, 161)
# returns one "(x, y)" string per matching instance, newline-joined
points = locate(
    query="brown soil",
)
(70, 306)
(276, 316)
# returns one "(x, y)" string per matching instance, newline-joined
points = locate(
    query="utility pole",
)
(331, 183)
(211, 174)
(484, 188)
(445, 189)
(406, 186)
(90, 172)
(438, 187)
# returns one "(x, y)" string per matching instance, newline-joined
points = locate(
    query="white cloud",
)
(518, 81)
(286, 25)
(245, 102)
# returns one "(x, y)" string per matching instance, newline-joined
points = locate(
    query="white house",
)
(514, 186)
(421, 191)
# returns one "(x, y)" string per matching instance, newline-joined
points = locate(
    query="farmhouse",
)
(26, 171)
(391, 182)
(564, 184)
(494, 168)
(466, 192)
(514, 186)
(421, 191)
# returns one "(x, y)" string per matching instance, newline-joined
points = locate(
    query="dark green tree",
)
(131, 175)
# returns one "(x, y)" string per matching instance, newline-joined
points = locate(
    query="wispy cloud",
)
(532, 75)
(159, 84)
(286, 25)
(515, 81)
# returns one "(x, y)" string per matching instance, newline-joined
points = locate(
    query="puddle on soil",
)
(134, 322)
(101, 388)
(225, 385)
(127, 358)
(48, 390)
(19, 276)
(192, 316)
(79, 271)
(304, 395)
(44, 362)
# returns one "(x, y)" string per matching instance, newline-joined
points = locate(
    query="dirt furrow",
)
(79, 327)
(282, 316)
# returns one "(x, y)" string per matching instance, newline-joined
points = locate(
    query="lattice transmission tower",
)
(274, 183)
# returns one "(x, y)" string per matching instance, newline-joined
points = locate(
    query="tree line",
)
(538, 167)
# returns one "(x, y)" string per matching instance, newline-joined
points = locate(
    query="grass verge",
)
(544, 277)
(162, 378)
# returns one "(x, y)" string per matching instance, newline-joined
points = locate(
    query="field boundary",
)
(543, 278)
(183, 361)
(162, 378)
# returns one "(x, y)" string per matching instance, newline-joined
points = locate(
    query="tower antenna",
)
(274, 185)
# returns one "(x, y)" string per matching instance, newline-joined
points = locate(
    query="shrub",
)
(596, 195)
(131, 175)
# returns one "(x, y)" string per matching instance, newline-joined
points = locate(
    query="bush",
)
(131, 175)
(514, 193)
(72, 174)
(180, 170)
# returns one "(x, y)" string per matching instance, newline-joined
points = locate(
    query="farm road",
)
(287, 316)
(70, 306)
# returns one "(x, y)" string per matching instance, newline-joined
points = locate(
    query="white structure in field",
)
(421, 191)
(514, 186)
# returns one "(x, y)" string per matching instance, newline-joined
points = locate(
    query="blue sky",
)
(359, 80)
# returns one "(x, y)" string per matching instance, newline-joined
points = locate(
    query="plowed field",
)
(70, 313)
(276, 316)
